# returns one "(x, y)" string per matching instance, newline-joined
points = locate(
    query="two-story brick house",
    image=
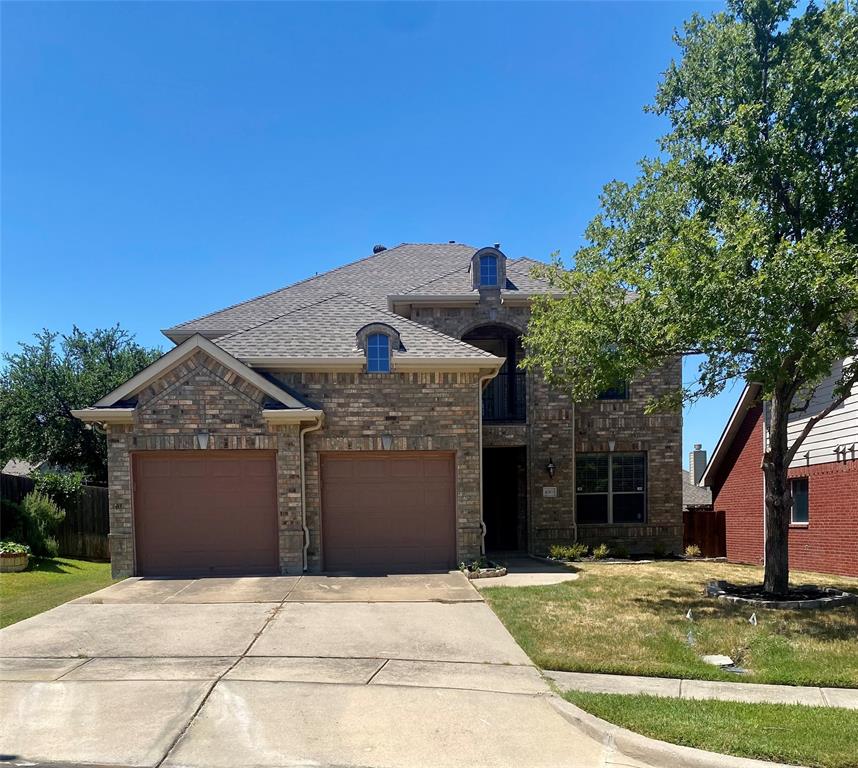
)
(374, 418)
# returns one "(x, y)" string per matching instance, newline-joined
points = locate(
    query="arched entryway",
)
(505, 464)
(505, 396)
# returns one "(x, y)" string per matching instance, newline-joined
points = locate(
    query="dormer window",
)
(379, 341)
(488, 270)
(378, 353)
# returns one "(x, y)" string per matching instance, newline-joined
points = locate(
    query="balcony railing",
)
(505, 398)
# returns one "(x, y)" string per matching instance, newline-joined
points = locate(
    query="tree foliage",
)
(738, 242)
(42, 383)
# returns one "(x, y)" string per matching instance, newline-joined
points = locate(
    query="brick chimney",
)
(696, 463)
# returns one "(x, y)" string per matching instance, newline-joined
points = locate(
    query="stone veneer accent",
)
(420, 411)
(201, 394)
(551, 433)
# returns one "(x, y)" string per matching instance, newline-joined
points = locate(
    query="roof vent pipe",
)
(379, 248)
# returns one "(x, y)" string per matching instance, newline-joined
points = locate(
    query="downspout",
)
(574, 481)
(483, 380)
(765, 445)
(301, 433)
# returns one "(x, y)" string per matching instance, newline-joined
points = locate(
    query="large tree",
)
(738, 242)
(44, 381)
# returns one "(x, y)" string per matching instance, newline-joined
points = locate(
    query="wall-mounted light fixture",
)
(203, 440)
(550, 468)
(386, 442)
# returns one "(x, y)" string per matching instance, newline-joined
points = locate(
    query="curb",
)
(657, 753)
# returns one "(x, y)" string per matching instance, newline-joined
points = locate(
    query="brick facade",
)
(429, 411)
(419, 411)
(828, 543)
(201, 394)
(555, 430)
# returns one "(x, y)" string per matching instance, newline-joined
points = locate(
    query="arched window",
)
(488, 270)
(378, 353)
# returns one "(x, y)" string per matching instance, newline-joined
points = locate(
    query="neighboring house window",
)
(378, 353)
(619, 391)
(611, 488)
(488, 270)
(800, 500)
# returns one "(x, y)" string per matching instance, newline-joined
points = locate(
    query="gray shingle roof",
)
(433, 268)
(373, 279)
(693, 494)
(327, 328)
(460, 281)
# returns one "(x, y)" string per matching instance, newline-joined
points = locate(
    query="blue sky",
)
(160, 161)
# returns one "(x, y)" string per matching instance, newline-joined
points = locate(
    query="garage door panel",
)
(205, 514)
(388, 512)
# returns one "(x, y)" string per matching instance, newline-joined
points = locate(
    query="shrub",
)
(568, 551)
(692, 550)
(659, 550)
(64, 488)
(13, 548)
(42, 517)
(621, 550)
(12, 520)
(601, 552)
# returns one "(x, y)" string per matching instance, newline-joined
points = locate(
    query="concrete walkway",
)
(404, 672)
(755, 693)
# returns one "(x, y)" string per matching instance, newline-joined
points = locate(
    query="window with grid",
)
(610, 488)
(378, 353)
(488, 270)
(800, 500)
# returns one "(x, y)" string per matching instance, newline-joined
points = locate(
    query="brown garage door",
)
(205, 513)
(388, 512)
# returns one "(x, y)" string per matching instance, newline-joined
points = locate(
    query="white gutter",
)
(301, 433)
(104, 415)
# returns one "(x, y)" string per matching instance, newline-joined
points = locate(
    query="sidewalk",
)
(754, 693)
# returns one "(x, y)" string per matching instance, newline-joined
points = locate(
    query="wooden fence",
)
(84, 531)
(707, 529)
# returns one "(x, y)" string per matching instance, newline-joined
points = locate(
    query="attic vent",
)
(379, 248)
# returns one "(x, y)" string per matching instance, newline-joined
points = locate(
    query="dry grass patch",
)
(631, 619)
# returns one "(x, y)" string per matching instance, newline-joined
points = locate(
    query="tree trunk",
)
(778, 496)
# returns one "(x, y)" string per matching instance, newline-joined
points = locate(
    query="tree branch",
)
(811, 423)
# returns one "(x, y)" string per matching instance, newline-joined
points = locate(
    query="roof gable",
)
(182, 352)
(325, 333)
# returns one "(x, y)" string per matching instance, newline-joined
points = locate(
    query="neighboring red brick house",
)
(824, 533)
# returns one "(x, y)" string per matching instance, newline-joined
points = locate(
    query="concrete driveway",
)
(280, 671)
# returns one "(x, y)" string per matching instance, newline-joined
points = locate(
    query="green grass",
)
(789, 733)
(47, 583)
(630, 619)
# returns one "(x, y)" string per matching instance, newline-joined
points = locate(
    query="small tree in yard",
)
(738, 243)
(41, 384)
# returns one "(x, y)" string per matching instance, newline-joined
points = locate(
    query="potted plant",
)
(14, 557)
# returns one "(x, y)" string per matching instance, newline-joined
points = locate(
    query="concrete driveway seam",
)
(74, 668)
(373, 675)
(220, 677)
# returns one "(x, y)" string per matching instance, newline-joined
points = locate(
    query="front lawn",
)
(46, 583)
(631, 619)
(813, 736)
